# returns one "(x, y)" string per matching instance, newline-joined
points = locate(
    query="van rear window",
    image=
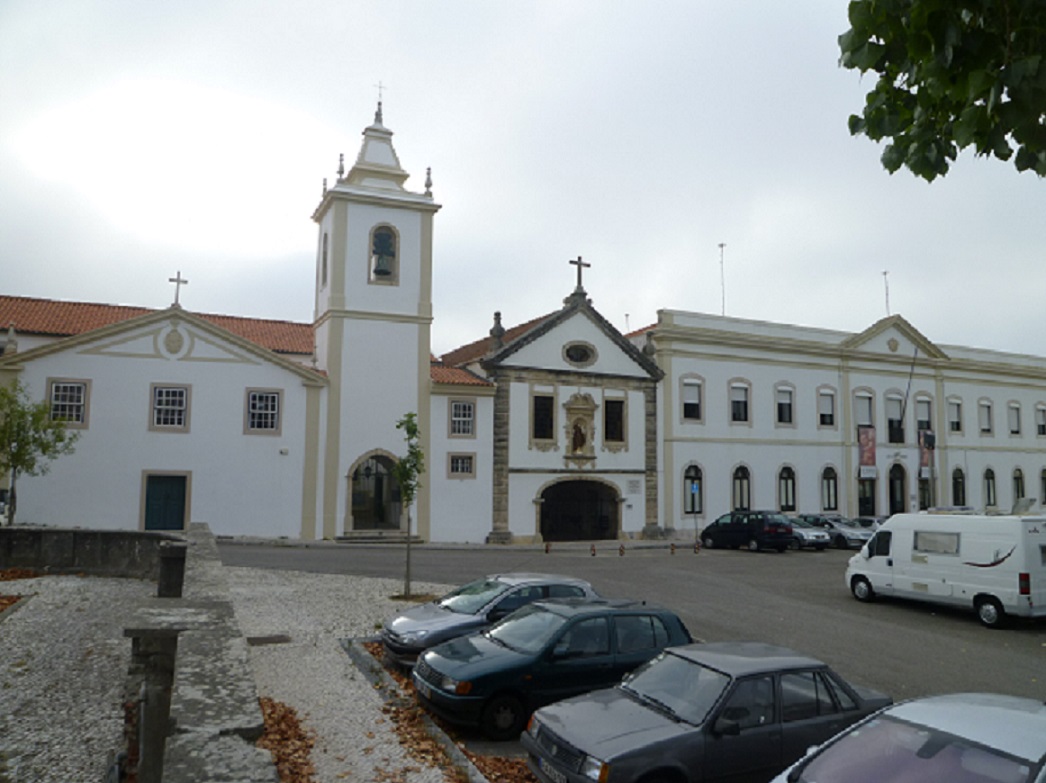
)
(936, 543)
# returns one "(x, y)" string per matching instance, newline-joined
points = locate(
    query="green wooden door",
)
(165, 503)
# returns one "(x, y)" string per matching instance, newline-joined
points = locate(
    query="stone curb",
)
(376, 675)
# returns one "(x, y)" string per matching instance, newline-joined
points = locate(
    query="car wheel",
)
(990, 612)
(820, 547)
(708, 542)
(795, 544)
(862, 589)
(753, 545)
(840, 542)
(503, 718)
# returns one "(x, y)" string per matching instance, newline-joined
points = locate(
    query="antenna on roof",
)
(722, 276)
(886, 284)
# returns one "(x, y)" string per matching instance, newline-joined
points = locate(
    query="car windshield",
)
(800, 523)
(686, 689)
(527, 630)
(472, 597)
(778, 519)
(886, 749)
(846, 523)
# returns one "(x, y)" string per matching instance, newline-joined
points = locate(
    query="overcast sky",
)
(140, 138)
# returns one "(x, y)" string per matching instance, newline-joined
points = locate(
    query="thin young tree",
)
(29, 438)
(407, 471)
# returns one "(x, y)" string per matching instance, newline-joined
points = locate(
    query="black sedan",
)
(543, 652)
(705, 712)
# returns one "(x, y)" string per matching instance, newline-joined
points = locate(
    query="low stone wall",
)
(96, 552)
(214, 715)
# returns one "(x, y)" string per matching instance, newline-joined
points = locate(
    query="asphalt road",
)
(796, 599)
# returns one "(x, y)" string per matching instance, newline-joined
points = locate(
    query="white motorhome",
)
(995, 565)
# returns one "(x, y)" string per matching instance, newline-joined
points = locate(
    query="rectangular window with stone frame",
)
(542, 417)
(614, 421)
(170, 408)
(461, 466)
(70, 402)
(263, 412)
(462, 418)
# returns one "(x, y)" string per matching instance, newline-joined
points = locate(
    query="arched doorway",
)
(375, 495)
(898, 490)
(579, 511)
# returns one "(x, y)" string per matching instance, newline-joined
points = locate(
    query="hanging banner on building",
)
(866, 451)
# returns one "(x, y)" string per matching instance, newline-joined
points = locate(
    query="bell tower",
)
(373, 316)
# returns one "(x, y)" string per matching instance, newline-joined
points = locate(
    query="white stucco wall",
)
(240, 484)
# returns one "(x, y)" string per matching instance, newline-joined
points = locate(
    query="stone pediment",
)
(892, 336)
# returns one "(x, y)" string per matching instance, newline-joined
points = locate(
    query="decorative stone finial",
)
(497, 333)
(341, 165)
(11, 344)
(649, 349)
(377, 115)
(428, 181)
(324, 186)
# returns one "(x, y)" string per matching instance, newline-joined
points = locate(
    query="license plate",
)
(423, 689)
(551, 772)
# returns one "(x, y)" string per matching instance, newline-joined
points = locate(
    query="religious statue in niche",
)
(581, 410)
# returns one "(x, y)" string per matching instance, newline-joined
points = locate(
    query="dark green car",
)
(547, 651)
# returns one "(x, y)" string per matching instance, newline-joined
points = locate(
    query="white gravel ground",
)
(312, 673)
(63, 662)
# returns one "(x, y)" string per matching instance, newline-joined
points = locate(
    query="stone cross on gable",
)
(178, 283)
(580, 265)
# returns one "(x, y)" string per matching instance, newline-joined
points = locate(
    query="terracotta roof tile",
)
(479, 348)
(52, 318)
(456, 375)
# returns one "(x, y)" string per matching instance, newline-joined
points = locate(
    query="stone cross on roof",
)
(580, 265)
(178, 283)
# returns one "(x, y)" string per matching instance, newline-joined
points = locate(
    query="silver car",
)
(978, 737)
(844, 533)
(470, 608)
(808, 536)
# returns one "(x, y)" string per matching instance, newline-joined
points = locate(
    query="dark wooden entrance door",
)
(579, 511)
(165, 502)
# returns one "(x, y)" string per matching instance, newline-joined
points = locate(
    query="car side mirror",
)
(867, 555)
(725, 727)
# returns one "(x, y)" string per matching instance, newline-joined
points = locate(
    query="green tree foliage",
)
(29, 439)
(407, 472)
(952, 74)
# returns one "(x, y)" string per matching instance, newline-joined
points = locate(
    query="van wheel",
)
(862, 589)
(990, 612)
(708, 542)
(753, 545)
(503, 718)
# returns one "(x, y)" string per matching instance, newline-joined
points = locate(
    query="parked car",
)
(959, 738)
(872, 523)
(547, 651)
(704, 712)
(470, 608)
(808, 536)
(845, 533)
(753, 530)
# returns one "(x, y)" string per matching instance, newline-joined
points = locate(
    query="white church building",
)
(560, 428)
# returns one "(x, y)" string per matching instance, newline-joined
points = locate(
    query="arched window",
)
(829, 490)
(989, 487)
(786, 489)
(742, 490)
(384, 265)
(692, 500)
(323, 263)
(958, 488)
(1018, 484)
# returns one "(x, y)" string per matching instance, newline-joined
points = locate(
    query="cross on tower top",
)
(580, 265)
(178, 283)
